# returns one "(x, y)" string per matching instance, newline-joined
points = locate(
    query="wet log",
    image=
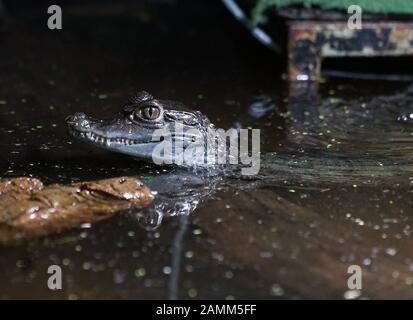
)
(28, 208)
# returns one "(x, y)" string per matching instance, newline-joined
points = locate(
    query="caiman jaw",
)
(95, 138)
(80, 126)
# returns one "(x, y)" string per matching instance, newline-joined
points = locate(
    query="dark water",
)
(282, 239)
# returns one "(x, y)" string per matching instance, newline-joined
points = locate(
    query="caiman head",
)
(132, 130)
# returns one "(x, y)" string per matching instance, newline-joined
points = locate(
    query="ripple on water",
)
(346, 143)
(357, 127)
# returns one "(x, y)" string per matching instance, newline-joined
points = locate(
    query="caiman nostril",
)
(78, 119)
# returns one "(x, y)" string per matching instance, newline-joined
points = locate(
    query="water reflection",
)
(261, 106)
(177, 193)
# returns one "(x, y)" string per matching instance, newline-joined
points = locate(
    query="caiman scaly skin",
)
(132, 130)
(28, 208)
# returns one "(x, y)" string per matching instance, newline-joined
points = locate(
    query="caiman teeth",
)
(103, 140)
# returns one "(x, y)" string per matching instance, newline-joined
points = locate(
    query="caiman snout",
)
(78, 120)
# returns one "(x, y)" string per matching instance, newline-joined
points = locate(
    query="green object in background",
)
(373, 6)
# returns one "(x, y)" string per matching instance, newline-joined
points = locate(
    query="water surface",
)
(284, 237)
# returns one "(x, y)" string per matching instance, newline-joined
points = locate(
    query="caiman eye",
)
(148, 113)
